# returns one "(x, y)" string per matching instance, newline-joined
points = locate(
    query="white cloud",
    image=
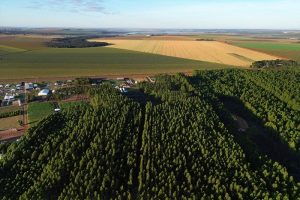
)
(70, 5)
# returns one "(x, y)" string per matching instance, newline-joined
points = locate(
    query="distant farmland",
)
(38, 61)
(28, 57)
(284, 49)
(209, 51)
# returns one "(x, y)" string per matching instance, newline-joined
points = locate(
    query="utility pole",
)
(24, 108)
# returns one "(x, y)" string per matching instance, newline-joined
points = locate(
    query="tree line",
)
(74, 42)
(274, 63)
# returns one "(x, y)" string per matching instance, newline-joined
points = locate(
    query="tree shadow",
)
(139, 96)
(259, 140)
(32, 122)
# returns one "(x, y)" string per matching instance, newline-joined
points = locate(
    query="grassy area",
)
(25, 43)
(52, 62)
(8, 49)
(38, 111)
(10, 122)
(288, 50)
(271, 46)
(7, 109)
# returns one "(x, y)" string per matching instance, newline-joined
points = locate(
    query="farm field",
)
(9, 109)
(51, 62)
(280, 48)
(209, 51)
(134, 56)
(7, 49)
(10, 122)
(24, 42)
(38, 111)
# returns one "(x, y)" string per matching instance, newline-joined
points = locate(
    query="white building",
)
(9, 97)
(44, 92)
(28, 86)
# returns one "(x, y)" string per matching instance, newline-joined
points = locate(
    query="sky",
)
(181, 14)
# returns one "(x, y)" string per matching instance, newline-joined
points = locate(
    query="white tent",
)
(44, 92)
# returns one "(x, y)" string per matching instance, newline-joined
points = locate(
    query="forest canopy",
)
(181, 144)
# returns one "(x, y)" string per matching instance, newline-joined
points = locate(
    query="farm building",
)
(44, 92)
(28, 86)
(9, 97)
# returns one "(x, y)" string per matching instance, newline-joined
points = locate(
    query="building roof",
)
(44, 92)
(8, 97)
(28, 86)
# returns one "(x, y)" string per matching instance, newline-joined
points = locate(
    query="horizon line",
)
(73, 27)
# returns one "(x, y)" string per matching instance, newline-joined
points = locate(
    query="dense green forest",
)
(182, 143)
(272, 96)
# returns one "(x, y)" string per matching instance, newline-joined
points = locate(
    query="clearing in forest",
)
(210, 51)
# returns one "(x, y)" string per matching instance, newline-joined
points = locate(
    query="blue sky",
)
(202, 14)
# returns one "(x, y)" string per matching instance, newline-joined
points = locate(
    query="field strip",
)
(7, 49)
(209, 51)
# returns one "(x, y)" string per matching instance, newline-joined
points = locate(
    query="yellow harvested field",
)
(210, 51)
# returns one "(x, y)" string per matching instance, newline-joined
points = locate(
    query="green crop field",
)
(53, 62)
(30, 58)
(25, 43)
(9, 109)
(37, 111)
(8, 49)
(287, 50)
